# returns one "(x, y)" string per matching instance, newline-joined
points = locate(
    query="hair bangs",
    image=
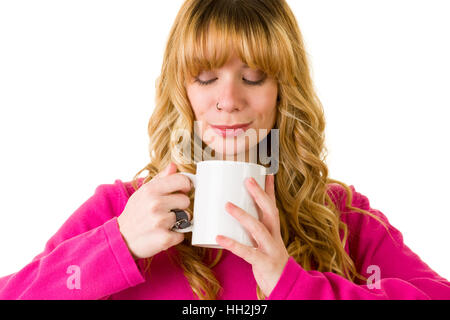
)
(213, 35)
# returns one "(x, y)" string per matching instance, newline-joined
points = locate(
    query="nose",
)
(230, 99)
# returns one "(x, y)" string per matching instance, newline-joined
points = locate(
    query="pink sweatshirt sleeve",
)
(86, 259)
(402, 274)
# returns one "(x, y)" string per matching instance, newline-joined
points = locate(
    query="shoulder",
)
(339, 196)
(365, 231)
(354, 219)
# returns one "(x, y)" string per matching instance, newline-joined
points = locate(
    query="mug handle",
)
(188, 229)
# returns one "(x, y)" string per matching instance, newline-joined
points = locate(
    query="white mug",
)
(216, 183)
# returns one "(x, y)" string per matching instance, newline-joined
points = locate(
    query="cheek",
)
(197, 101)
(272, 115)
(267, 112)
(200, 109)
(267, 103)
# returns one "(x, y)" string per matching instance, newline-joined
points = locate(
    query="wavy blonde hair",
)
(266, 36)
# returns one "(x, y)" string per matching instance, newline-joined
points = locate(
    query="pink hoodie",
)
(88, 259)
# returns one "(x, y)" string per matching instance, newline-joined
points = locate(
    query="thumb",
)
(170, 169)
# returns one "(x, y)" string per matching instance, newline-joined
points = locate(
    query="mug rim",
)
(232, 162)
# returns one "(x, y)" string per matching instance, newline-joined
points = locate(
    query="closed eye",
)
(251, 83)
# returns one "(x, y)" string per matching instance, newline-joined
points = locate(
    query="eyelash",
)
(251, 83)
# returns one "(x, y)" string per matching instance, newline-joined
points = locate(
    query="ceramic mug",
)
(217, 182)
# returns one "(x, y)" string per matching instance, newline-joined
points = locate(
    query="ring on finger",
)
(182, 219)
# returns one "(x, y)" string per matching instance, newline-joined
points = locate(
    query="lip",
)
(231, 131)
(236, 126)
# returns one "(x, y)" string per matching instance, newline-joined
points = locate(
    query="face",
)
(245, 96)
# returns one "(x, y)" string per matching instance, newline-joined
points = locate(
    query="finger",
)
(169, 169)
(270, 187)
(174, 238)
(170, 218)
(167, 220)
(256, 228)
(265, 202)
(176, 201)
(171, 183)
(247, 253)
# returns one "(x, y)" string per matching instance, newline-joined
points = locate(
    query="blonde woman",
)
(230, 63)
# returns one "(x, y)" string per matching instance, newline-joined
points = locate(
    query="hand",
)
(146, 221)
(270, 257)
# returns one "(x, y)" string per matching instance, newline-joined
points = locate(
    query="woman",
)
(227, 63)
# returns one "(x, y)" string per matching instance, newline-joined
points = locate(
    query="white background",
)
(77, 86)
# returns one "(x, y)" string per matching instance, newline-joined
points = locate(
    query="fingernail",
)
(222, 239)
(231, 204)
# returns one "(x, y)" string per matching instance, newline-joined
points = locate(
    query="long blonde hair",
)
(266, 36)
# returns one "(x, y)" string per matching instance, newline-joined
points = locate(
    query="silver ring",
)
(217, 106)
(182, 219)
